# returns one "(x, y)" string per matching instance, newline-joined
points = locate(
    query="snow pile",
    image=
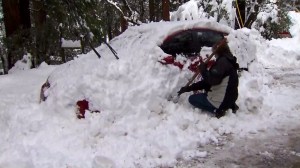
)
(187, 11)
(295, 28)
(282, 52)
(242, 44)
(21, 65)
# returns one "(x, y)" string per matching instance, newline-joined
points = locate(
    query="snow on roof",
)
(70, 43)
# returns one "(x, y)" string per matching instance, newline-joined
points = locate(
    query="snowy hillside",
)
(137, 126)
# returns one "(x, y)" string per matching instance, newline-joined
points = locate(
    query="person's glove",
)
(182, 90)
(220, 113)
(202, 67)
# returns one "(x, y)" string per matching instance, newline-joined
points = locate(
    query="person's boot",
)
(235, 108)
(220, 113)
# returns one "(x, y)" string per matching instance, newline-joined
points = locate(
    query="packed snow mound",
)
(287, 48)
(242, 45)
(138, 70)
(137, 122)
(187, 11)
(21, 65)
(295, 28)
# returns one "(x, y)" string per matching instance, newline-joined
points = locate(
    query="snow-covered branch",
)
(133, 15)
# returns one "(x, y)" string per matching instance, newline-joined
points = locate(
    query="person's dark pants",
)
(200, 101)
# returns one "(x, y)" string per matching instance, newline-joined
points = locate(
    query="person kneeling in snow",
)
(220, 83)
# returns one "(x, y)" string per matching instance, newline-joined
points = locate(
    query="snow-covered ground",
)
(137, 126)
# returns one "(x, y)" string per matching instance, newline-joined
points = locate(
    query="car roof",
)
(162, 30)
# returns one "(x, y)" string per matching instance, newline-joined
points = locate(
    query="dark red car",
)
(189, 43)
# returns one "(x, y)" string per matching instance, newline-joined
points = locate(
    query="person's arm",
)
(199, 86)
(194, 87)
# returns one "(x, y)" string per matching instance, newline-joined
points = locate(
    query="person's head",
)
(221, 47)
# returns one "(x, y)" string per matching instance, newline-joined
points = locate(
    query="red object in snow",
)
(193, 67)
(82, 105)
(284, 34)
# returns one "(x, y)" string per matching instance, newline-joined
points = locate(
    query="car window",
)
(178, 44)
(190, 42)
(207, 37)
(184, 37)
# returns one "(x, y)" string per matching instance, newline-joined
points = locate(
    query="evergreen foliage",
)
(97, 21)
(272, 20)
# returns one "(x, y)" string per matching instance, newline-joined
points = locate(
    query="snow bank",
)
(283, 52)
(21, 65)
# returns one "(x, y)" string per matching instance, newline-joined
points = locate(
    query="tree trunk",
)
(39, 15)
(24, 14)
(142, 10)
(12, 19)
(16, 18)
(109, 23)
(3, 64)
(166, 10)
(124, 24)
(151, 10)
(126, 10)
(12, 22)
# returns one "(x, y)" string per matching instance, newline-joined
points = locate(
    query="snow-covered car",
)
(137, 126)
(138, 76)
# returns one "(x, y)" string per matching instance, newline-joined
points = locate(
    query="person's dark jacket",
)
(225, 66)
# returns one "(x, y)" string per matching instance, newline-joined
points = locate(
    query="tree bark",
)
(142, 10)
(109, 23)
(12, 19)
(16, 18)
(166, 10)
(39, 15)
(24, 14)
(151, 10)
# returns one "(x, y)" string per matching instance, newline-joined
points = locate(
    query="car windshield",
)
(208, 38)
(190, 42)
(182, 37)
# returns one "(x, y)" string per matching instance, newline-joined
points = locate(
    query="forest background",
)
(37, 29)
